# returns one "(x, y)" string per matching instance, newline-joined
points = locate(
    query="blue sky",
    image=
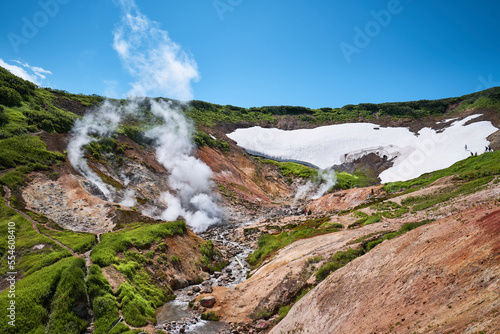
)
(319, 53)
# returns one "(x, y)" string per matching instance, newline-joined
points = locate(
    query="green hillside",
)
(56, 291)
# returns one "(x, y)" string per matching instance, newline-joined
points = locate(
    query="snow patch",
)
(413, 155)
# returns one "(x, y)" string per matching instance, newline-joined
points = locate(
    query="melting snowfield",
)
(413, 155)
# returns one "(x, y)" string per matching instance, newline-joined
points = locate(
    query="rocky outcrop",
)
(440, 278)
(345, 199)
(68, 204)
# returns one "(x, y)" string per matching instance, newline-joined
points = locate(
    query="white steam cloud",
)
(189, 176)
(160, 67)
(327, 178)
(86, 130)
(159, 64)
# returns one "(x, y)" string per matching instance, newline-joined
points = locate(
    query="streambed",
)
(176, 316)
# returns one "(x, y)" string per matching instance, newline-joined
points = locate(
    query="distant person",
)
(466, 147)
(471, 154)
(475, 154)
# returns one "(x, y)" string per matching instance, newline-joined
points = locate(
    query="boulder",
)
(208, 301)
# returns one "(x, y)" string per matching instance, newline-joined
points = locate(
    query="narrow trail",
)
(34, 223)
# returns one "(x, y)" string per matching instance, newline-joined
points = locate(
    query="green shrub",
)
(12, 179)
(161, 247)
(209, 316)
(105, 311)
(69, 295)
(25, 149)
(52, 120)
(133, 255)
(79, 242)
(202, 139)
(139, 297)
(9, 97)
(283, 311)
(136, 310)
(268, 244)
(47, 297)
(97, 284)
(211, 257)
(121, 328)
(337, 261)
(128, 268)
(4, 119)
(28, 259)
(104, 253)
(486, 164)
(289, 169)
(365, 219)
(23, 87)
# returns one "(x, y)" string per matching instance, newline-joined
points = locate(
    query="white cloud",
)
(31, 73)
(160, 65)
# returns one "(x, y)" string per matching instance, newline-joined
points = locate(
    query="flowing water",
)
(176, 315)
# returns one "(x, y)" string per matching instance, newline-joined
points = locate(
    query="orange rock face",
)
(440, 278)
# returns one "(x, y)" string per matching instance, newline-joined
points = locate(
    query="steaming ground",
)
(313, 190)
(101, 123)
(413, 155)
(189, 177)
(160, 67)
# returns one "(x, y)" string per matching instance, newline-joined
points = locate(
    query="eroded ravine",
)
(177, 316)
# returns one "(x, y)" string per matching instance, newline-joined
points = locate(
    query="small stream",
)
(176, 317)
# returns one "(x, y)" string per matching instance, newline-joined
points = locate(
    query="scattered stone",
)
(261, 324)
(217, 274)
(196, 288)
(206, 289)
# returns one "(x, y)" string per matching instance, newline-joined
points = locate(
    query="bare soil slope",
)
(440, 278)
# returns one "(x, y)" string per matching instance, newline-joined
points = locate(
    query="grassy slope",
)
(344, 179)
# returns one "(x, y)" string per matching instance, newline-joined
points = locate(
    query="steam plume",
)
(327, 178)
(103, 122)
(189, 176)
(160, 66)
